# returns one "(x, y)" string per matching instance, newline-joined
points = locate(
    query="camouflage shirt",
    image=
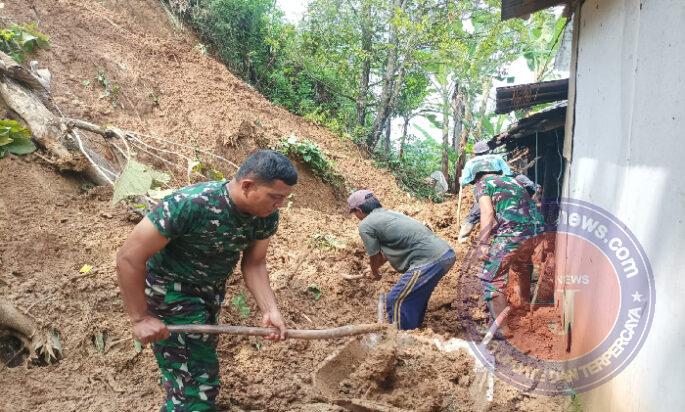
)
(207, 234)
(515, 211)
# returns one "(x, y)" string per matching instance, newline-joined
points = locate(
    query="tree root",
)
(40, 345)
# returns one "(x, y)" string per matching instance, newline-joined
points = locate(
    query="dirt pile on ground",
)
(415, 377)
(51, 225)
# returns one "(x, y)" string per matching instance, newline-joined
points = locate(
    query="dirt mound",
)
(51, 225)
(168, 88)
(416, 377)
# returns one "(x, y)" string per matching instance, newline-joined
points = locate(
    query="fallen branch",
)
(109, 132)
(307, 334)
(25, 94)
(347, 276)
(10, 68)
(37, 117)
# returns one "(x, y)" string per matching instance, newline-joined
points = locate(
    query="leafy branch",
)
(14, 138)
(313, 157)
(20, 40)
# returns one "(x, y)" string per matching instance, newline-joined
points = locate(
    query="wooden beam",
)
(526, 95)
(521, 8)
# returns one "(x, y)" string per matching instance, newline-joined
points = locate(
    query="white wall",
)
(629, 158)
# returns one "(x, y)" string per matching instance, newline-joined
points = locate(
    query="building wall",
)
(628, 156)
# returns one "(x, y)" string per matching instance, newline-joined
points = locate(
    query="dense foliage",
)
(355, 65)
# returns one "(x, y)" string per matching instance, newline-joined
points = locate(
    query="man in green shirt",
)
(173, 269)
(410, 248)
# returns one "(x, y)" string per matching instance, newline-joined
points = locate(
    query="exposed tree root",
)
(40, 345)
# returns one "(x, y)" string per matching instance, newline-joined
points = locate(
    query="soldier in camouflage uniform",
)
(509, 218)
(173, 269)
(480, 150)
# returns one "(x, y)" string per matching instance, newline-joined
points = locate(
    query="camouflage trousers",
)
(188, 362)
(505, 252)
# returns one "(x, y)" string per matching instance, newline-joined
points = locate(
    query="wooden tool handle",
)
(308, 334)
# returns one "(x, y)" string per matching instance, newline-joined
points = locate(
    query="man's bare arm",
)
(257, 281)
(376, 261)
(487, 224)
(487, 219)
(142, 243)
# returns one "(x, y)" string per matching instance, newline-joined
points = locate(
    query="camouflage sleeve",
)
(174, 216)
(267, 227)
(480, 189)
(369, 238)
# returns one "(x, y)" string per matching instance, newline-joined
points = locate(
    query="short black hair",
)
(370, 204)
(265, 166)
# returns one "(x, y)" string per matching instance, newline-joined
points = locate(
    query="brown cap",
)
(358, 198)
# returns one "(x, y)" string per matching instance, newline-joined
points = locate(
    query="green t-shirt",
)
(207, 234)
(405, 242)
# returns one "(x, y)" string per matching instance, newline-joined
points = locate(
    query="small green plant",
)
(111, 91)
(19, 40)
(99, 341)
(154, 98)
(313, 157)
(14, 138)
(576, 405)
(205, 169)
(201, 48)
(314, 290)
(326, 241)
(239, 302)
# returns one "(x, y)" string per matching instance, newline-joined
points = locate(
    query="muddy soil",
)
(52, 224)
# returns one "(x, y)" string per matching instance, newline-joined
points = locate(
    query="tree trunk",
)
(403, 139)
(26, 99)
(487, 85)
(457, 106)
(366, 64)
(445, 133)
(392, 81)
(463, 139)
(388, 146)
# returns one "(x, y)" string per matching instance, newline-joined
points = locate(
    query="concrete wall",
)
(628, 156)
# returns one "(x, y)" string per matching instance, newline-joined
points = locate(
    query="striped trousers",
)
(407, 301)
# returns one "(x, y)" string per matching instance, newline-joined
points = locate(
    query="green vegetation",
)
(360, 67)
(239, 302)
(137, 180)
(314, 290)
(110, 91)
(326, 241)
(310, 154)
(19, 40)
(14, 138)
